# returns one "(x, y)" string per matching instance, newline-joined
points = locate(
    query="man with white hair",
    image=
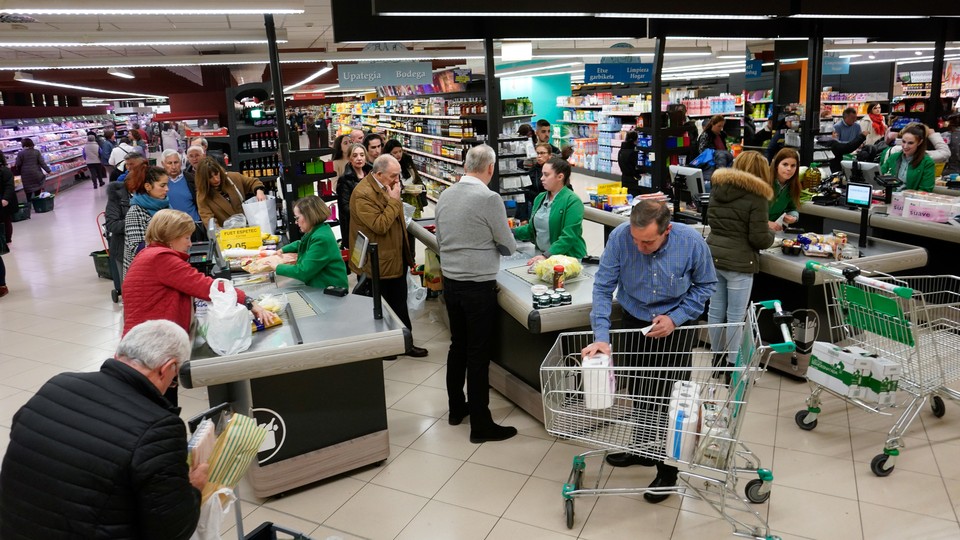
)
(183, 191)
(194, 154)
(356, 136)
(103, 455)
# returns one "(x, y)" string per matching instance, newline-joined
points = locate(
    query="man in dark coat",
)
(104, 455)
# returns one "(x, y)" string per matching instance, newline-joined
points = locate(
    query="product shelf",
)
(48, 132)
(432, 156)
(429, 116)
(431, 199)
(515, 116)
(437, 178)
(582, 106)
(429, 136)
(513, 173)
(64, 158)
(577, 122)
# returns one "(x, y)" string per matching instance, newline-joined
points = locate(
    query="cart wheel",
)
(939, 408)
(877, 465)
(577, 479)
(753, 494)
(568, 508)
(801, 418)
(115, 296)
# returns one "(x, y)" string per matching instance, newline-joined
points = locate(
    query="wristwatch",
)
(249, 303)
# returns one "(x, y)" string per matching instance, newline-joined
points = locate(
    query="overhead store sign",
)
(387, 74)
(951, 75)
(835, 66)
(754, 69)
(462, 76)
(617, 73)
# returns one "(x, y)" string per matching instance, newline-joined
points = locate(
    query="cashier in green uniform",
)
(318, 262)
(556, 225)
(912, 165)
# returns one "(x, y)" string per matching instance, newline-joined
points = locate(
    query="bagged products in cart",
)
(228, 323)
(683, 420)
(599, 382)
(715, 440)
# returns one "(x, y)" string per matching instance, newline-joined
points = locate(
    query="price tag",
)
(245, 238)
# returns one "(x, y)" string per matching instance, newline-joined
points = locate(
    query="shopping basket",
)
(664, 400)
(892, 327)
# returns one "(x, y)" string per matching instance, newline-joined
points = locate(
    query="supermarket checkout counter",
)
(316, 383)
(526, 334)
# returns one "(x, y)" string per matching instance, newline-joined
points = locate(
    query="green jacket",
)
(319, 263)
(782, 203)
(919, 178)
(738, 220)
(566, 225)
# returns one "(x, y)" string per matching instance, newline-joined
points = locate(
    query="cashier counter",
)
(316, 380)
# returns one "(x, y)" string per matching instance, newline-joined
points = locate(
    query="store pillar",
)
(811, 117)
(659, 144)
(935, 111)
(494, 106)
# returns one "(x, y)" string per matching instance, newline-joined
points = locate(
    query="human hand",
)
(663, 326)
(535, 260)
(199, 473)
(393, 191)
(263, 315)
(288, 258)
(261, 196)
(594, 348)
(788, 219)
(774, 226)
(5, 202)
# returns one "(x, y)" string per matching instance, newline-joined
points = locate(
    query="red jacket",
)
(161, 284)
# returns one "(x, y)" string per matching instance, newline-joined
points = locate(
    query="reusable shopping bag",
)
(262, 213)
(705, 159)
(228, 323)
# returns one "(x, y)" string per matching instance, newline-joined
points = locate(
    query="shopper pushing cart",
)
(687, 417)
(889, 334)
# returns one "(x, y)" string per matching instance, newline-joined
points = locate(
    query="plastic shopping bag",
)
(262, 213)
(432, 275)
(416, 296)
(213, 512)
(228, 323)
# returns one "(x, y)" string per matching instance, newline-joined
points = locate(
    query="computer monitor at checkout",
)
(868, 171)
(859, 195)
(693, 180)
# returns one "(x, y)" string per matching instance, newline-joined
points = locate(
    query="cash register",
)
(206, 258)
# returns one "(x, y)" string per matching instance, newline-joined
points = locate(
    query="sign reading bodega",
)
(385, 74)
(617, 73)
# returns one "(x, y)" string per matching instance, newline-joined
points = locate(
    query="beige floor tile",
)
(759, 428)
(365, 474)
(319, 501)
(813, 515)
(613, 515)
(394, 390)
(953, 490)
(884, 523)
(763, 400)
(881, 423)
(33, 379)
(4, 440)
(446, 440)
(905, 490)
(410, 371)
(262, 514)
(520, 454)
(769, 380)
(512, 530)
(833, 409)
(70, 356)
(417, 472)
(439, 347)
(917, 454)
(405, 427)
(438, 379)
(540, 503)
(527, 425)
(482, 488)
(826, 439)
(947, 459)
(328, 533)
(812, 472)
(425, 401)
(788, 384)
(11, 366)
(695, 526)
(941, 430)
(18, 322)
(377, 512)
(23, 345)
(558, 463)
(440, 520)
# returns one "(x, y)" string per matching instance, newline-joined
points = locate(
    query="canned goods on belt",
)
(566, 299)
(555, 299)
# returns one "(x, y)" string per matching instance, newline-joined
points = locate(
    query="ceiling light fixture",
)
(682, 16)
(137, 39)
(22, 76)
(123, 73)
(847, 16)
(547, 73)
(516, 51)
(530, 69)
(321, 71)
(89, 89)
(482, 14)
(150, 7)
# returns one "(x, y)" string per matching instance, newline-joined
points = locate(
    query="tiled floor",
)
(437, 485)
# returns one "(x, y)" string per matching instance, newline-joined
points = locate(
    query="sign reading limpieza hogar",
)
(385, 74)
(618, 73)
(243, 238)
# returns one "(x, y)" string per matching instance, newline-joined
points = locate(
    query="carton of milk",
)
(840, 370)
(881, 385)
(599, 382)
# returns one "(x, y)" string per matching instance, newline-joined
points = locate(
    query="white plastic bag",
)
(228, 323)
(416, 296)
(212, 513)
(262, 213)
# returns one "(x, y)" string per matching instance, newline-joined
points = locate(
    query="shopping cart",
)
(912, 321)
(688, 415)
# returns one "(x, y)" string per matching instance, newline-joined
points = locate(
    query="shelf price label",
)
(244, 238)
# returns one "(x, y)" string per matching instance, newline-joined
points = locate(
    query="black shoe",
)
(659, 497)
(391, 357)
(417, 352)
(492, 433)
(625, 459)
(101, 183)
(455, 418)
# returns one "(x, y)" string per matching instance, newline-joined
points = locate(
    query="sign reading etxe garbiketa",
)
(617, 73)
(385, 74)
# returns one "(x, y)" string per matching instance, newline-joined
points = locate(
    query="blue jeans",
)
(729, 305)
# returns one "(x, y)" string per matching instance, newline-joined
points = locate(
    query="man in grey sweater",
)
(472, 232)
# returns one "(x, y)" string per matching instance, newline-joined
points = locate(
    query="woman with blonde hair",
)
(738, 231)
(220, 194)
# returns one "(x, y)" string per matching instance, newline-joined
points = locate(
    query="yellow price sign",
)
(245, 238)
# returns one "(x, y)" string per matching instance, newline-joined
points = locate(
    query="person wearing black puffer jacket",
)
(103, 455)
(627, 160)
(738, 231)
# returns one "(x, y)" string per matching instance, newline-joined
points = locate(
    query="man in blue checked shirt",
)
(663, 274)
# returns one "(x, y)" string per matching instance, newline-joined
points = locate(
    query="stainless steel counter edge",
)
(937, 231)
(257, 364)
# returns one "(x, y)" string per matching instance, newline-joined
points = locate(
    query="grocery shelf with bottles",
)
(762, 101)
(725, 104)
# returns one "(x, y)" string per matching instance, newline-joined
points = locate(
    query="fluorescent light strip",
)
(319, 72)
(741, 56)
(87, 88)
(552, 65)
(544, 74)
(680, 16)
(858, 15)
(150, 11)
(698, 66)
(481, 14)
(738, 38)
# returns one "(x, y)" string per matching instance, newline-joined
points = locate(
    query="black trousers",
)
(472, 307)
(394, 292)
(653, 388)
(97, 173)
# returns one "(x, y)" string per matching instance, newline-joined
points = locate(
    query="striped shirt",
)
(676, 280)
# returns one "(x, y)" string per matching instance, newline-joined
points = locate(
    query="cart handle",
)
(899, 290)
(784, 319)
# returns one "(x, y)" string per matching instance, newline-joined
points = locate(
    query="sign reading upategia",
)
(385, 74)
